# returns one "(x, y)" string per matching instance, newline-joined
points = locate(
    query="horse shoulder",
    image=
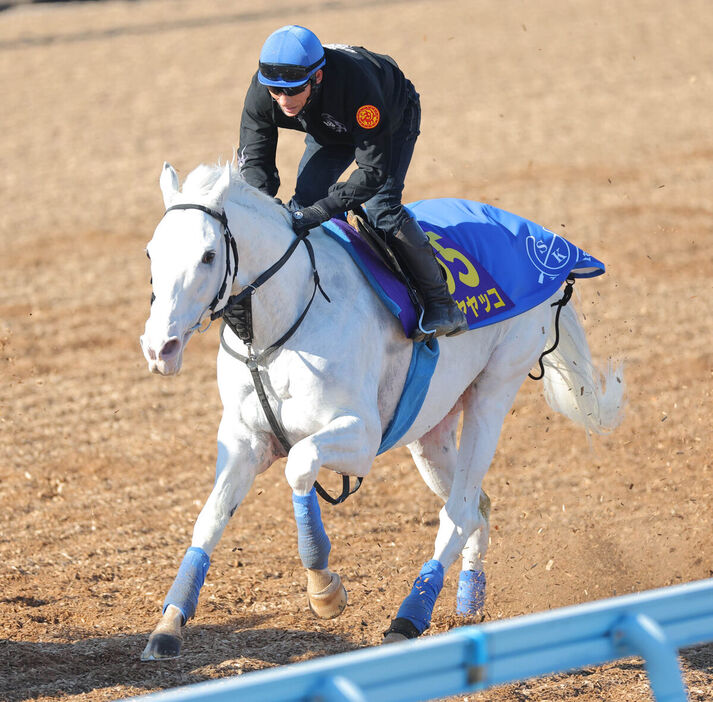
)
(241, 406)
(350, 355)
(355, 333)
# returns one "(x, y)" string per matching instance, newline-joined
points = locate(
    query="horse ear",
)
(169, 184)
(220, 189)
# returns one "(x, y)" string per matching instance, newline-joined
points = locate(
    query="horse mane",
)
(200, 181)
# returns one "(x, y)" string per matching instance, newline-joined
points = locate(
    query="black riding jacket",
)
(360, 103)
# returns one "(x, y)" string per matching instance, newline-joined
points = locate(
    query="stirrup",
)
(453, 327)
(420, 334)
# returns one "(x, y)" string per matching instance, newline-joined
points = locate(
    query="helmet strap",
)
(314, 91)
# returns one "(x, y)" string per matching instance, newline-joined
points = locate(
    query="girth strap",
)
(346, 491)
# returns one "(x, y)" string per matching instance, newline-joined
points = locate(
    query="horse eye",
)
(208, 257)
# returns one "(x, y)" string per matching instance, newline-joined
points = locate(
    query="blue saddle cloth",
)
(497, 265)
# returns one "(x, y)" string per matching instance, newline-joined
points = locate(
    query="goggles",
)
(288, 73)
(290, 92)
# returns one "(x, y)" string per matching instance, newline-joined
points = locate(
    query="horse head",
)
(190, 260)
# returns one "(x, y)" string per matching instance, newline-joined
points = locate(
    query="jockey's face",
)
(292, 105)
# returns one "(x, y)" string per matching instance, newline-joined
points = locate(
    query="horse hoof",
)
(393, 637)
(330, 602)
(162, 647)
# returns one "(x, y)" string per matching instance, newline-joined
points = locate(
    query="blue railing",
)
(653, 625)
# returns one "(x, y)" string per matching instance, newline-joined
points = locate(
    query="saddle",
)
(376, 240)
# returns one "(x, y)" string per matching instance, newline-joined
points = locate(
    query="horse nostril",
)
(170, 348)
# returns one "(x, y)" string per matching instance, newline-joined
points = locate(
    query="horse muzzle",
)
(164, 357)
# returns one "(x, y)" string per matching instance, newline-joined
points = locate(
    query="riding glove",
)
(303, 220)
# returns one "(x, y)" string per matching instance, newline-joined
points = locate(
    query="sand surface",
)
(591, 118)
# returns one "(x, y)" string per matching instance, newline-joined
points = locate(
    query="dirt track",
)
(589, 117)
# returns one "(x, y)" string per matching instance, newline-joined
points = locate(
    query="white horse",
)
(334, 384)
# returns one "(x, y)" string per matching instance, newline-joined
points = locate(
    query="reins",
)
(237, 315)
(562, 302)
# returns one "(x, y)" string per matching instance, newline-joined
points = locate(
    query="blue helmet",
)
(290, 57)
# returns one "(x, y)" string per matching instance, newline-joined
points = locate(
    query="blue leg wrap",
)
(187, 585)
(418, 606)
(312, 540)
(471, 592)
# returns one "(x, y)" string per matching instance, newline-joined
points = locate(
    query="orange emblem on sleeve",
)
(367, 116)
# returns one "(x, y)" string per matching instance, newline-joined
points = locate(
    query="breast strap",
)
(238, 316)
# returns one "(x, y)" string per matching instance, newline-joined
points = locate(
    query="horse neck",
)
(276, 305)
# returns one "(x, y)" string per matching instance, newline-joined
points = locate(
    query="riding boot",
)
(441, 314)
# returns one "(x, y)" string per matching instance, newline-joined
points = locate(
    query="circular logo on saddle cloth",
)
(368, 116)
(549, 254)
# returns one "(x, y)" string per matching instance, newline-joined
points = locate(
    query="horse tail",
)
(575, 386)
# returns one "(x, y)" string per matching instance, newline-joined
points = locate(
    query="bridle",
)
(230, 246)
(237, 315)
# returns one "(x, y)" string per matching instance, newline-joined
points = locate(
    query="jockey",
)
(354, 105)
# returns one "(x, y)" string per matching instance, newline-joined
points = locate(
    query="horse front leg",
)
(237, 464)
(326, 595)
(347, 447)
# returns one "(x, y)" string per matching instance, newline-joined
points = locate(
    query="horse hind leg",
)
(457, 479)
(435, 455)
(470, 598)
(485, 406)
(414, 615)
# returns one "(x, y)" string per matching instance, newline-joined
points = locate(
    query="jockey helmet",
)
(290, 57)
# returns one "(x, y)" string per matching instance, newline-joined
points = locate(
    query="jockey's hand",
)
(304, 219)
